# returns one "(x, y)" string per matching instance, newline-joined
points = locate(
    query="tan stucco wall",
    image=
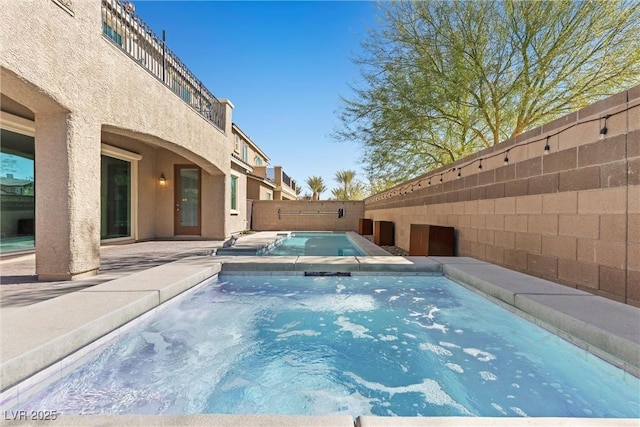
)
(79, 86)
(257, 190)
(40, 40)
(302, 215)
(572, 216)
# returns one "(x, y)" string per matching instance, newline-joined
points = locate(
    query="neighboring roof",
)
(14, 182)
(266, 181)
(238, 161)
(239, 131)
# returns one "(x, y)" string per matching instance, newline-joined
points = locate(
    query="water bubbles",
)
(436, 349)
(454, 367)
(488, 376)
(482, 356)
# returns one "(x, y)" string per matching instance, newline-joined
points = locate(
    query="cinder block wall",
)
(302, 215)
(571, 216)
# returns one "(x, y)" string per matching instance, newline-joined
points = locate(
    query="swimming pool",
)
(405, 345)
(316, 243)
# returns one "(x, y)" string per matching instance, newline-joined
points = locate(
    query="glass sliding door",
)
(115, 197)
(187, 200)
(17, 185)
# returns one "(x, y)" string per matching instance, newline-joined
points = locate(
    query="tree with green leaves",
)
(350, 188)
(443, 79)
(316, 185)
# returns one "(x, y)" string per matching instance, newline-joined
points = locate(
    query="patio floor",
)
(19, 285)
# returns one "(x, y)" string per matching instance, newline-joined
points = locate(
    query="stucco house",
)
(126, 143)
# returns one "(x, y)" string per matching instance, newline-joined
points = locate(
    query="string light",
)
(546, 147)
(604, 130)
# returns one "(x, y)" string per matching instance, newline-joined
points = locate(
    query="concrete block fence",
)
(571, 216)
(303, 215)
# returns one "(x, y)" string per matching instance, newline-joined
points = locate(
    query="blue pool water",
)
(409, 346)
(317, 243)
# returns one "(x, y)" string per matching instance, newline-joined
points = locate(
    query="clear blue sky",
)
(284, 65)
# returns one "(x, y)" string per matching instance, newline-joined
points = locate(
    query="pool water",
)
(316, 243)
(363, 345)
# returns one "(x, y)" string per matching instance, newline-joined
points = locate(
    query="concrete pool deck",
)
(40, 335)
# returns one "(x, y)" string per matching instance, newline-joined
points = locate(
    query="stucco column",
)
(67, 151)
(228, 106)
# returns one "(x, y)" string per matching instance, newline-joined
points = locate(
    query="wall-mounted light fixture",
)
(163, 180)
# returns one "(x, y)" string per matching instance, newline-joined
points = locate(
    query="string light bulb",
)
(506, 157)
(480, 165)
(546, 147)
(604, 129)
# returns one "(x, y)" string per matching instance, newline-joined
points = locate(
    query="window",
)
(258, 161)
(234, 193)
(236, 147)
(269, 196)
(111, 33)
(17, 198)
(118, 193)
(245, 152)
(115, 198)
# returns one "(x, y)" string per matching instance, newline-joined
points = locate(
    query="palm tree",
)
(316, 185)
(350, 189)
(345, 177)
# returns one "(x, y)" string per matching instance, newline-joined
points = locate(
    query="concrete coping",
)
(59, 327)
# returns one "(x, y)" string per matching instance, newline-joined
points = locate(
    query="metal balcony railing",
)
(286, 179)
(124, 28)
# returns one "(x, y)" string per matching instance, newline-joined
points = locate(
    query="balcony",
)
(285, 185)
(126, 30)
